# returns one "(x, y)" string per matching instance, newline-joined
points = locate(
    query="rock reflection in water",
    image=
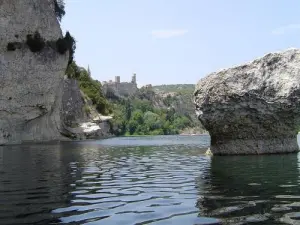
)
(243, 189)
(167, 183)
(33, 181)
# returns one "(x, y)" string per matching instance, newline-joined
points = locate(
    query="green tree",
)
(143, 105)
(128, 110)
(132, 126)
(137, 116)
(152, 120)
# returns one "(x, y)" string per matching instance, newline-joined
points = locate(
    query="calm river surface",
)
(145, 180)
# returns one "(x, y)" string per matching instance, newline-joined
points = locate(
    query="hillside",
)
(178, 88)
(184, 104)
(158, 110)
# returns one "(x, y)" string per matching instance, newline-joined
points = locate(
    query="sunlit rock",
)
(253, 108)
(30, 81)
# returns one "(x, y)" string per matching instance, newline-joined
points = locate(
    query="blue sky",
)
(177, 41)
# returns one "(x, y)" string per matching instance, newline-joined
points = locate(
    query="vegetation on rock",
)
(11, 46)
(35, 42)
(90, 87)
(65, 44)
(59, 7)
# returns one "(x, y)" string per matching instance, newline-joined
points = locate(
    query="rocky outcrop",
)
(30, 82)
(80, 120)
(253, 108)
(36, 103)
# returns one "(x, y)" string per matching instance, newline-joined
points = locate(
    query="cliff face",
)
(253, 108)
(37, 103)
(30, 82)
(80, 120)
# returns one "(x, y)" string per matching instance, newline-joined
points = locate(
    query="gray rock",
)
(74, 110)
(80, 119)
(253, 108)
(30, 83)
(36, 103)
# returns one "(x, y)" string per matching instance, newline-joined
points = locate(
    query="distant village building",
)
(117, 79)
(120, 89)
(133, 80)
(148, 86)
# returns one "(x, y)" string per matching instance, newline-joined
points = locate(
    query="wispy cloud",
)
(168, 33)
(286, 29)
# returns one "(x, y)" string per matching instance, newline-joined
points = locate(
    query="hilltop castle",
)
(118, 88)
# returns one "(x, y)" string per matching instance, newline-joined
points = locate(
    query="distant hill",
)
(178, 88)
(153, 110)
(182, 95)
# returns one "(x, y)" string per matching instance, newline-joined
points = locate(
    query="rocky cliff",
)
(32, 85)
(253, 108)
(80, 119)
(30, 82)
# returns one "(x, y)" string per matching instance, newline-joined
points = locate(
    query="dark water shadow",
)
(246, 189)
(34, 180)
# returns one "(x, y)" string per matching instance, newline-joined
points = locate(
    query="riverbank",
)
(193, 131)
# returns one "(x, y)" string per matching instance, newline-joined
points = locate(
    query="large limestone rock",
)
(80, 119)
(253, 108)
(30, 83)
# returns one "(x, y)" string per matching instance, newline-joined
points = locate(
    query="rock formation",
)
(32, 85)
(30, 82)
(253, 108)
(80, 120)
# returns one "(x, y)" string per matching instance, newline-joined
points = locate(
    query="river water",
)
(145, 180)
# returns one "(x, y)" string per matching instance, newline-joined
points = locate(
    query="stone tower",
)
(89, 70)
(133, 80)
(117, 79)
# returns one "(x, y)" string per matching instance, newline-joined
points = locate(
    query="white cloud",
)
(286, 29)
(168, 33)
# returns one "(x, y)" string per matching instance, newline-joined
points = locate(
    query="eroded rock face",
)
(253, 108)
(80, 119)
(31, 84)
(73, 105)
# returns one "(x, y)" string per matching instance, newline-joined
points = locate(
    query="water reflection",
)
(96, 183)
(33, 181)
(244, 189)
(136, 185)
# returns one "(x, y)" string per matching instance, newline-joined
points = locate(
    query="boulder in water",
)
(253, 108)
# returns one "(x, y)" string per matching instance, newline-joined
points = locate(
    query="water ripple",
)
(135, 189)
(170, 182)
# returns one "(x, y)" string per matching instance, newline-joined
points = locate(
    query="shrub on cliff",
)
(90, 87)
(73, 72)
(65, 44)
(59, 8)
(35, 42)
(93, 90)
(11, 47)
